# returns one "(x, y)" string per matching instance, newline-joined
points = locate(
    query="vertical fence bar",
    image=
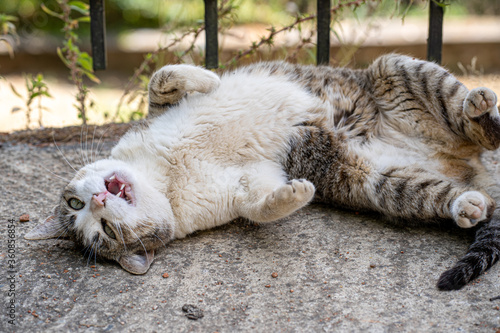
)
(98, 34)
(323, 42)
(211, 40)
(435, 40)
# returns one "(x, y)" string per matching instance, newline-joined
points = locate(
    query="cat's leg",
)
(266, 195)
(415, 193)
(411, 193)
(422, 98)
(345, 178)
(172, 82)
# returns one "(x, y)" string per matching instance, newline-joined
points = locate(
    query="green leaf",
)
(92, 77)
(51, 12)
(63, 58)
(15, 91)
(84, 19)
(441, 3)
(35, 95)
(80, 10)
(8, 18)
(10, 49)
(79, 4)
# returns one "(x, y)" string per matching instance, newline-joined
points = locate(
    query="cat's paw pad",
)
(296, 192)
(470, 208)
(480, 101)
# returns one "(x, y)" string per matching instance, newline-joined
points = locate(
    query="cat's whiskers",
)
(82, 160)
(92, 159)
(120, 232)
(60, 151)
(87, 144)
(83, 146)
(139, 239)
(87, 248)
(90, 253)
(63, 230)
(98, 150)
(54, 174)
(164, 245)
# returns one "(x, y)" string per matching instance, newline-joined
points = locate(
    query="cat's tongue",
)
(121, 189)
(115, 186)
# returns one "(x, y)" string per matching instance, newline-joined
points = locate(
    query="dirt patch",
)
(71, 134)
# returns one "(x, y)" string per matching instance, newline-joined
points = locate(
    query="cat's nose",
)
(99, 199)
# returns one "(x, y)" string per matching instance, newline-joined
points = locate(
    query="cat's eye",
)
(76, 204)
(107, 229)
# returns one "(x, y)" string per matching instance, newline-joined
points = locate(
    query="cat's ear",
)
(137, 263)
(49, 228)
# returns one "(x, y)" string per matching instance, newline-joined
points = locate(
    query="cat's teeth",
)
(121, 188)
(119, 194)
(112, 177)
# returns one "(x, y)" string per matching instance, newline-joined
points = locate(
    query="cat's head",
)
(114, 211)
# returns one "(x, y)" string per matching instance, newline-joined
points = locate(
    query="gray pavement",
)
(336, 271)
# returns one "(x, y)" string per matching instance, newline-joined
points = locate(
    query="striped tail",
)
(482, 254)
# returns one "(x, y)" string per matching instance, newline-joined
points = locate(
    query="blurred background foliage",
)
(132, 14)
(30, 20)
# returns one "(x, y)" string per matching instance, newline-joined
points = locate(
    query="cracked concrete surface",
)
(336, 270)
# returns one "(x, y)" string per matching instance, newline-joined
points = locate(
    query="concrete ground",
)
(335, 270)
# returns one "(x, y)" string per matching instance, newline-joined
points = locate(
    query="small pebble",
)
(24, 218)
(274, 275)
(165, 275)
(192, 311)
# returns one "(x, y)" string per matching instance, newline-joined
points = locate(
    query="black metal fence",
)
(98, 32)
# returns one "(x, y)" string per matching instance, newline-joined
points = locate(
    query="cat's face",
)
(113, 211)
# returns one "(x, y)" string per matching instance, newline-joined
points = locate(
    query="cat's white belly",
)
(384, 155)
(207, 144)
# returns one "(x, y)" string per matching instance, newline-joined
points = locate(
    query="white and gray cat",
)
(402, 137)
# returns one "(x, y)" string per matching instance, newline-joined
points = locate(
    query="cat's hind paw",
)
(480, 101)
(470, 208)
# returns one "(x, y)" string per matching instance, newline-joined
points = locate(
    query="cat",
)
(402, 138)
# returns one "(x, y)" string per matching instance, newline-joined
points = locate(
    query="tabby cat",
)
(402, 137)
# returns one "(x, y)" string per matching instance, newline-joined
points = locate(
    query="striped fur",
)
(402, 138)
(408, 107)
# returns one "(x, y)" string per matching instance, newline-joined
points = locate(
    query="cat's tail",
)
(482, 254)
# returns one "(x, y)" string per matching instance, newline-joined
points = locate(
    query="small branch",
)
(225, 9)
(269, 39)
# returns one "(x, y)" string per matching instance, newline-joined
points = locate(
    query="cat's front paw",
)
(172, 82)
(480, 101)
(167, 86)
(471, 208)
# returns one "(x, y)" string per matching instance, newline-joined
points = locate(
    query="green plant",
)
(36, 88)
(8, 32)
(78, 62)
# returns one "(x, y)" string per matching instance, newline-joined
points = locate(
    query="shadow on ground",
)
(335, 270)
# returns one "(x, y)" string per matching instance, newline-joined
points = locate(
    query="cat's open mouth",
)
(119, 187)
